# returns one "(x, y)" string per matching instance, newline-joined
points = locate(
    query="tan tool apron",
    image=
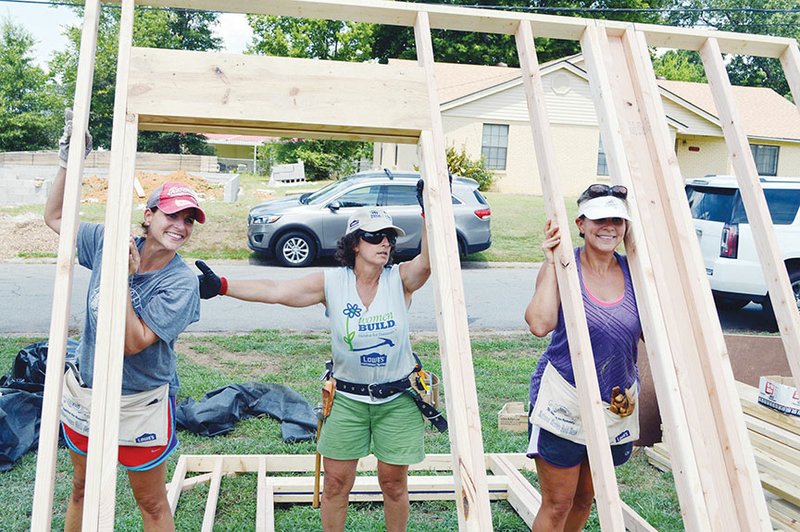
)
(557, 410)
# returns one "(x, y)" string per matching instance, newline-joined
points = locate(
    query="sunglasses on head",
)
(598, 190)
(376, 237)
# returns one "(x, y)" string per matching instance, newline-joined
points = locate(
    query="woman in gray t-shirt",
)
(162, 301)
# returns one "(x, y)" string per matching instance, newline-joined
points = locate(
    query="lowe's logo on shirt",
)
(147, 436)
(373, 360)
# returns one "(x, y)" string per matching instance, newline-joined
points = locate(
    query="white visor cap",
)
(604, 207)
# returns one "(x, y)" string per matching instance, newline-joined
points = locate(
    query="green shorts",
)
(392, 431)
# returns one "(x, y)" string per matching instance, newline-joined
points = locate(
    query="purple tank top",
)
(614, 330)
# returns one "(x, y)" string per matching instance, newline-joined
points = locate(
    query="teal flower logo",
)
(352, 310)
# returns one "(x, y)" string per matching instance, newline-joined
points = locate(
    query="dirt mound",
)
(95, 189)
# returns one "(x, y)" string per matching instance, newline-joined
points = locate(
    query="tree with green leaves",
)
(312, 38)
(323, 159)
(28, 99)
(679, 65)
(767, 17)
(171, 29)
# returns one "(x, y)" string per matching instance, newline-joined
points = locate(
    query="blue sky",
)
(46, 23)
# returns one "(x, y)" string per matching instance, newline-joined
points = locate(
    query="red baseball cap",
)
(172, 197)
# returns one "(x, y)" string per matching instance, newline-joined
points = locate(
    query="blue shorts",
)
(130, 457)
(560, 452)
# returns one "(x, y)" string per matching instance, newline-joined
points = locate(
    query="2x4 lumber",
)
(609, 506)
(213, 495)
(522, 496)
(728, 432)
(175, 487)
(786, 514)
(463, 415)
(41, 511)
(367, 489)
(304, 463)
(775, 274)
(748, 398)
(739, 492)
(790, 60)
(101, 467)
(202, 90)
(479, 20)
(265, 501)
(665, 379)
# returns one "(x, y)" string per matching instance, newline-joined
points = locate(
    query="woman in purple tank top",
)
(557, 440)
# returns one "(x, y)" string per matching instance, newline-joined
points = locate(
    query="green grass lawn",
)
(502, 363)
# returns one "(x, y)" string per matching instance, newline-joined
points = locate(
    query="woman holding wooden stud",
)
(374, 410)
(557, 440)
(162, 301)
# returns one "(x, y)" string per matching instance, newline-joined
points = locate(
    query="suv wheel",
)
(295, 249)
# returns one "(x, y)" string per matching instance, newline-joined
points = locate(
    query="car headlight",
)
(265, 219)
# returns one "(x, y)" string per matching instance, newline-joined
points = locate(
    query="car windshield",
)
(710, 203)
(322, 195)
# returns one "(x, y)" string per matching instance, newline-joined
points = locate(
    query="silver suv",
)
(298, 229)
(726, 241)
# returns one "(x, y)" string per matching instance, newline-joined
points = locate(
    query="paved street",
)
(495, 299)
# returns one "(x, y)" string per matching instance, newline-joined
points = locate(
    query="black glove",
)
(421, 187)
(211, 284)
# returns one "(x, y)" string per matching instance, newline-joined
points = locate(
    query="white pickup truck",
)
(726, 240)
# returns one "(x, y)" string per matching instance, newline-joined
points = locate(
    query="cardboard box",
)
(513, 418)
(779, 393)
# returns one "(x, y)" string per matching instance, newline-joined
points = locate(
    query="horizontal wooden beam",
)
(483, 20)
(304, 463)
(178, 90)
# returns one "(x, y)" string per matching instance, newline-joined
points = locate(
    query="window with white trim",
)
(494, 146)
(766, 158)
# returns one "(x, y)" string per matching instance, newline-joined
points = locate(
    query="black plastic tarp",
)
(217, 412)
(21, 395)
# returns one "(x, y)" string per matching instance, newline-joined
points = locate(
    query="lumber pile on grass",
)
(775, 438)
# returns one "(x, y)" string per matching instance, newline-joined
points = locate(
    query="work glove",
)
(421, 187)
(63, 142)
(622, 403)
(211, 285)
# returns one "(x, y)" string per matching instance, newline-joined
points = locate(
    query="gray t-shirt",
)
(167, 300)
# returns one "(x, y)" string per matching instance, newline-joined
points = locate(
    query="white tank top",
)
(369, 345)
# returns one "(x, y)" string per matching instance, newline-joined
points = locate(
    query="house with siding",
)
(484, 112)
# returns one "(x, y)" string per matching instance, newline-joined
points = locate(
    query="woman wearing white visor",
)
(557, 440)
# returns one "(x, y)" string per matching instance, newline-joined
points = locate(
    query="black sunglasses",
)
(377, 237)
(598, 190)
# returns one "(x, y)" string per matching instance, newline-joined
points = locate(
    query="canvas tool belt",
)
(557, 410)
(143, 417)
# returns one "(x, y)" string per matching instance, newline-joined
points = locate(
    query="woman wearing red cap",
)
(367, 302)
(162, 301)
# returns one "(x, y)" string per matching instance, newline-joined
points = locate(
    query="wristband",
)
(223, 286)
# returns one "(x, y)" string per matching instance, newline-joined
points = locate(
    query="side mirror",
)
(334, 206)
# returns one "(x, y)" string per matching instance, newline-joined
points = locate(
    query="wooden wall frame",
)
(716, 476)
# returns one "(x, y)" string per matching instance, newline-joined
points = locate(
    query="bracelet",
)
(223, 286)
